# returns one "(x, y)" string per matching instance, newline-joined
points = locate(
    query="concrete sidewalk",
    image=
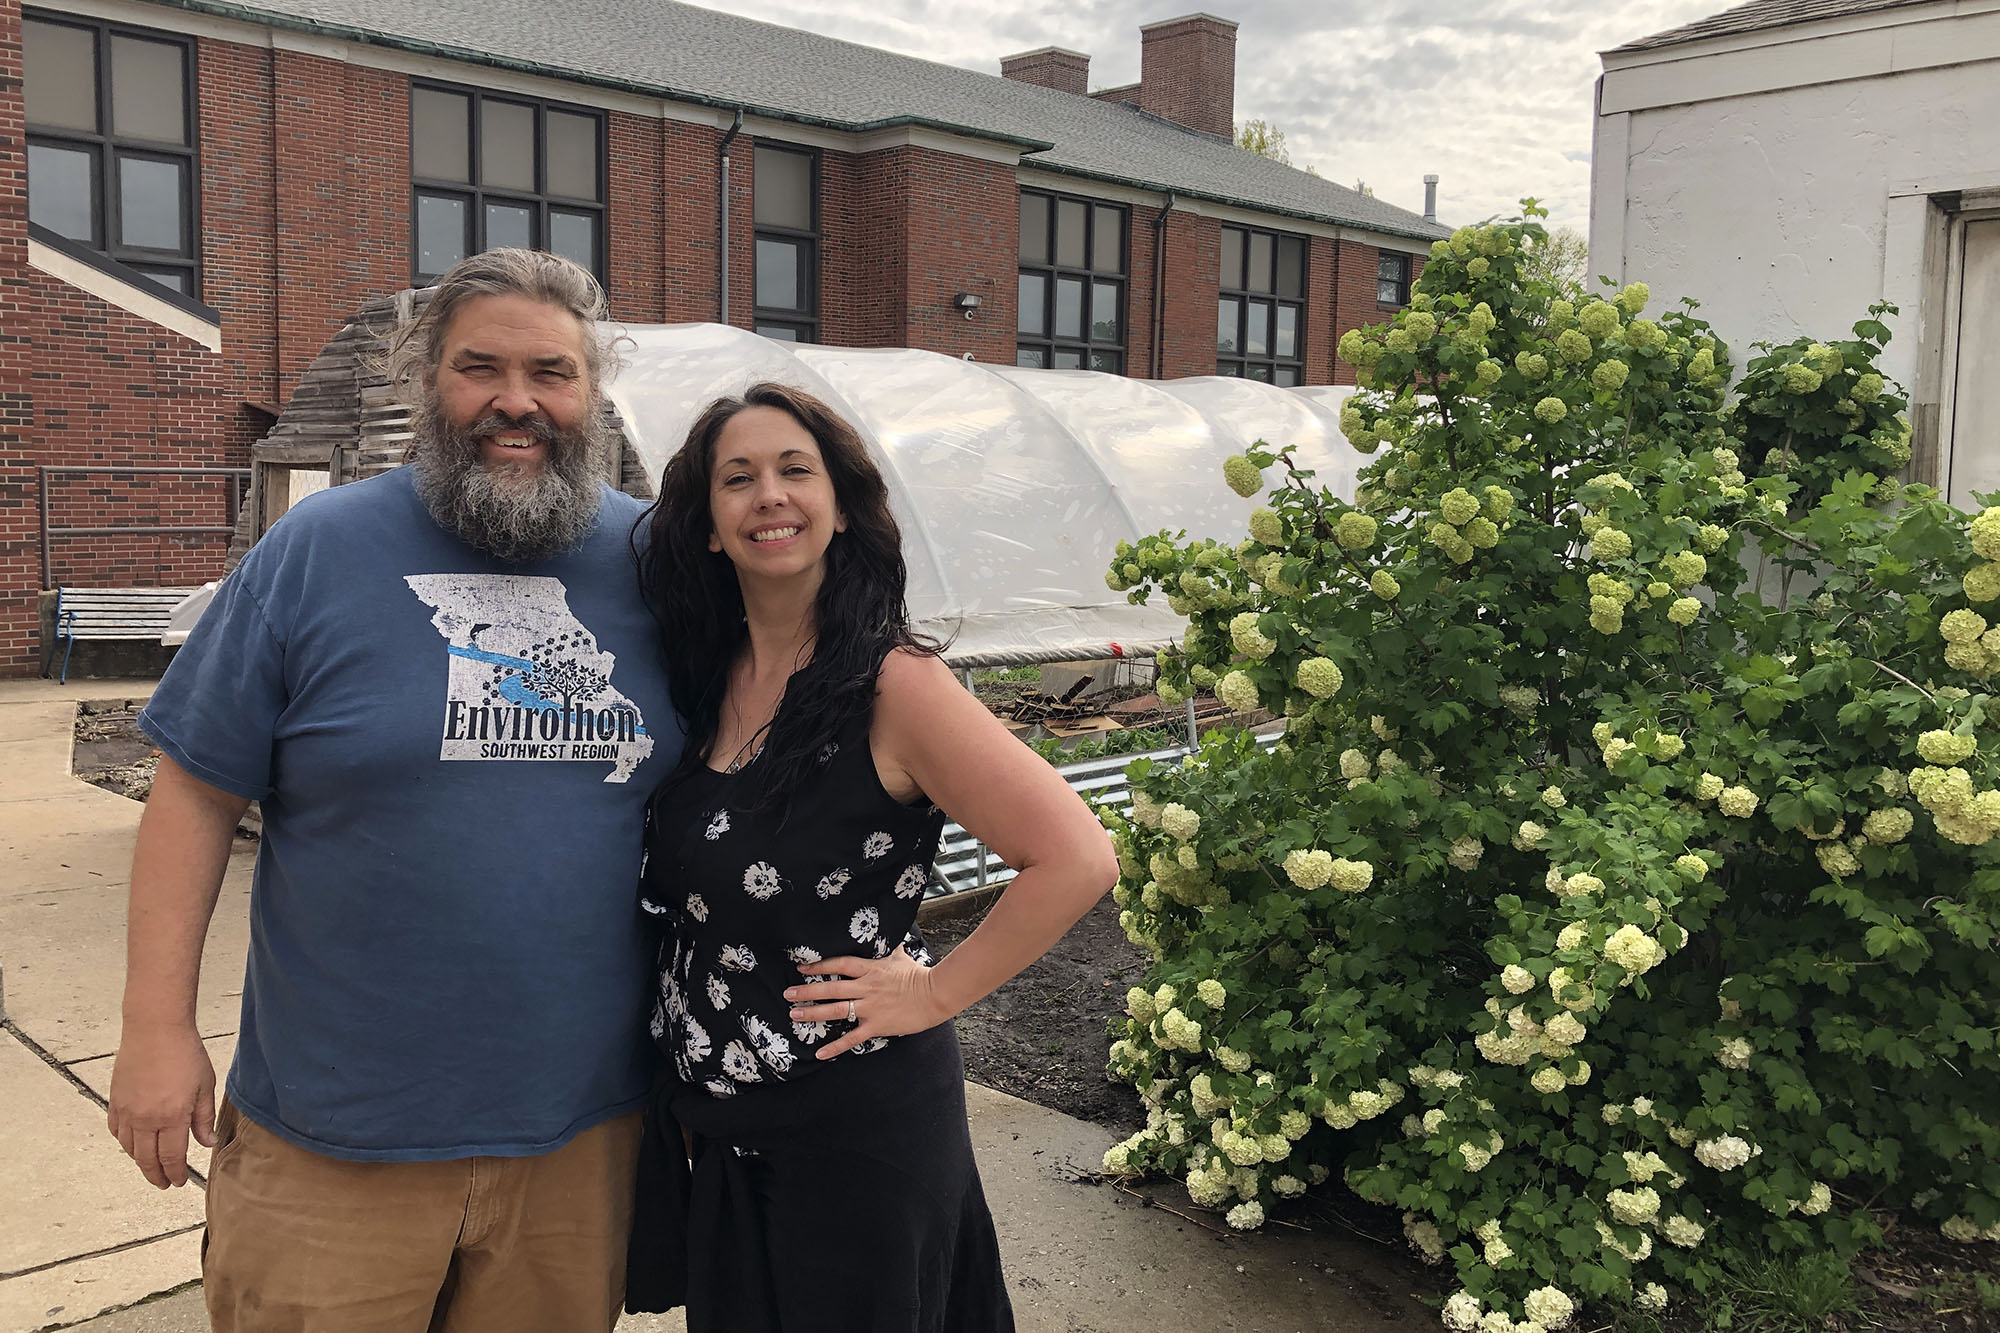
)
(84, 1234)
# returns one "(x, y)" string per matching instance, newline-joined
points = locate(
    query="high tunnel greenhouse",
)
(1012, 486)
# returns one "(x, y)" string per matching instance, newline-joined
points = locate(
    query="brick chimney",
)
(1187, 72)
(1049, 67)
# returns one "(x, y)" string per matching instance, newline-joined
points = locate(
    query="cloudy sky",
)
(1493, 95)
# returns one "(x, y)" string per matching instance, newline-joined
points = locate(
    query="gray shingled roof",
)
(1757, 16)
(684, 53)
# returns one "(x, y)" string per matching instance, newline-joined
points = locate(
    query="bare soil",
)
(111, 752)
(1043, 1036)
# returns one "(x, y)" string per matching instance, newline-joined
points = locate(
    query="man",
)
(444, 688)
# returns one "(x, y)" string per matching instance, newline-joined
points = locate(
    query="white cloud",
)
(1493, 96)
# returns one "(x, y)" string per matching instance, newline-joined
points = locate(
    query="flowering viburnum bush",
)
(1625, 885)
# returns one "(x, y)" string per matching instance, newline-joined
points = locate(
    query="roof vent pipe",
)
(1431, 197)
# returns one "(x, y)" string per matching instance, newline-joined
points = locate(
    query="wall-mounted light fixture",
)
(966, 301)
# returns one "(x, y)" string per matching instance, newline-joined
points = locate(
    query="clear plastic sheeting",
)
(1012, 486)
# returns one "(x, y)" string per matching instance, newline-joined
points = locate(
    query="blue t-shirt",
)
(454, 756)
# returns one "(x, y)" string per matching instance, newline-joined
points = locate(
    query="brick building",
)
(195, 195)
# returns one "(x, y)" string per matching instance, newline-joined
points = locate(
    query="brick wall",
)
(1355, 303)
(18, 547)
(1187, 73)
(305, 215)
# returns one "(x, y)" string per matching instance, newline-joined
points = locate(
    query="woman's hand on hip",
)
(883, 997)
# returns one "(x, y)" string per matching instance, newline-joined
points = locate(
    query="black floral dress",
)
(742, 1238)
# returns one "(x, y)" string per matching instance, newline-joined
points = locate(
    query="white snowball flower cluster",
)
(1736, 802)
(1309, 869)
(1211, 993)
(1682, 1231)
(1634, 1207)
(1643, 1166)
(1652, 1296)
(1634, 950)
(1422, 1233)
(1517, 979)
(1724, 1153)
(1818, 1199)
(1178, 1030)
(1529, 836)
(1465, 852)
(1248, 639)
(1734, 1053)
(1351, 876)
(1238, 691)
(1179, 822)
(1246, 1216)
(1461, 1312)
(1549, 1307)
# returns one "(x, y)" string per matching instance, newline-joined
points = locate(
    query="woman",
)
(818, 1079)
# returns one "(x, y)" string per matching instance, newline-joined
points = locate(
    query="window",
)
(111, 159)
(785, 208)
(1260, 329)
(488, 171)
(1392, 282)
(1072, 284)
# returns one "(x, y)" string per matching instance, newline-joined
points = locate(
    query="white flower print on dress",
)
(832, 882)
(718, 992)
(718, 824)
(761, 881)
(808, 1032)
(828, 751)
(870, 1046)
(918, 953)
(739, 1064)
(697, 907)
(877, 846)
(910, 883)
(720, 1088)
(802, 954)
(881, 948)
(771, 1048)
(738, 958)
(658, 1027)
(863, 924)
(695, 1043)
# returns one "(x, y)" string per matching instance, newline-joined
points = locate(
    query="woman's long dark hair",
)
(859, 617)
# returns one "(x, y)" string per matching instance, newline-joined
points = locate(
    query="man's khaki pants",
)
(301, 1243)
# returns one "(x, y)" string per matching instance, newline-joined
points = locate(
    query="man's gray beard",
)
(516, 518)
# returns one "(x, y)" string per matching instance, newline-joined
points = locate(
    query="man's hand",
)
(162, 1086)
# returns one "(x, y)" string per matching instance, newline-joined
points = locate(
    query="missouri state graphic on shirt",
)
(527, 680)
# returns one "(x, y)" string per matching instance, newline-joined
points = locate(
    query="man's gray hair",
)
(418, 346)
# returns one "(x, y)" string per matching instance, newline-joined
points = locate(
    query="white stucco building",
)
(1788, 162)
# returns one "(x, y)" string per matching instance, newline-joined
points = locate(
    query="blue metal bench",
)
(112, 613)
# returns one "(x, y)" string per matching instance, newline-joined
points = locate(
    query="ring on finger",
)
(850, 1011)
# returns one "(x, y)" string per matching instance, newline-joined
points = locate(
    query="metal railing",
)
(964, 863)
(237, 477)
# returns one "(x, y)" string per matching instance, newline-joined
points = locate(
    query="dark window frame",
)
(1088, 347)
(106, 147)
(539, 201)
(1407, 263)
(803, 323)
(1243, 363)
